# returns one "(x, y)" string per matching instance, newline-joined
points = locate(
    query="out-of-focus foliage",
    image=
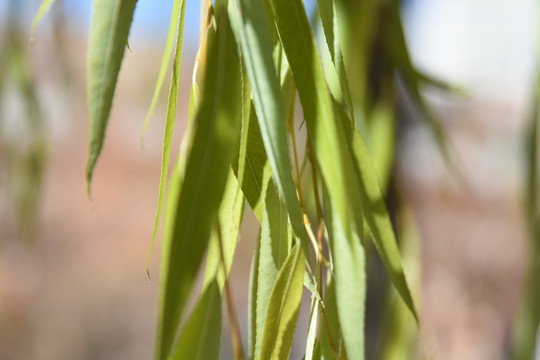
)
(23, 137)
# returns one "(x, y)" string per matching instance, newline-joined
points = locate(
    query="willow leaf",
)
(214, 143)
(45, 6)
(201, 336)
(274, 248)
(109, 30)
(257, 169)
(312, 329)
(230, 219)
(330, 336)
(283, 308)
(176, 25)
(326, 132)
(252, 301)
(169, 123)
(251, 31)
(378, 220)
(350, 283)
(329, 22)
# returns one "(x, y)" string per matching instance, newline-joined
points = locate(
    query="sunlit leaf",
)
(283, 308)
(176, 25)
(169, 123)
(200, 338)
(273, 250)
(215, 143)
(249, 25)
(45, 6)
(109, 29)
(350, 283)
(312, 329)
(252, 299)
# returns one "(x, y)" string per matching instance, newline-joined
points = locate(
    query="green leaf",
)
(329, 22)
(230, 219)
(312, 328)
(330, 336)
(326, 132)
(109, 29)
(251, 31)
(45, 6)
(169, 123)
(252, 301)
(274, 248)
(350, 283)
(283, 308)
(257, 170)
(176, 22)
(216, 130)
(378, 220)
(201, 336)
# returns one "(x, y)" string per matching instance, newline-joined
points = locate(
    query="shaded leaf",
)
(201, 336)
(216, 130)
(109, 29)
(378, 220)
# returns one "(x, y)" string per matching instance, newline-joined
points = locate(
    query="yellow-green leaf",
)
(283, 308)
(169, 123)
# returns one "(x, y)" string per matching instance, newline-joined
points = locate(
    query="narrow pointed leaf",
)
(350, 284)
(214, 145)
(201, 336)
(312, 329)
(45, 6)
(283, 308)
(230, 219)
(169, 123)
(378, 220)
(252, 301)
(176, 25)
(109, 29)
(274, 248)
(251, 31)
(325, 130)
(329, 22)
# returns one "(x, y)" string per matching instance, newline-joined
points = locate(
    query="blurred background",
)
(73, 282)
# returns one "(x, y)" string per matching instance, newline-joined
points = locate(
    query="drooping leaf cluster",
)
(255, 58)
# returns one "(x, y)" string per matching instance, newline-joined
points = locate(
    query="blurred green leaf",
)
(216, 130)
(45, 6)
(109, 29)
(378, 220)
